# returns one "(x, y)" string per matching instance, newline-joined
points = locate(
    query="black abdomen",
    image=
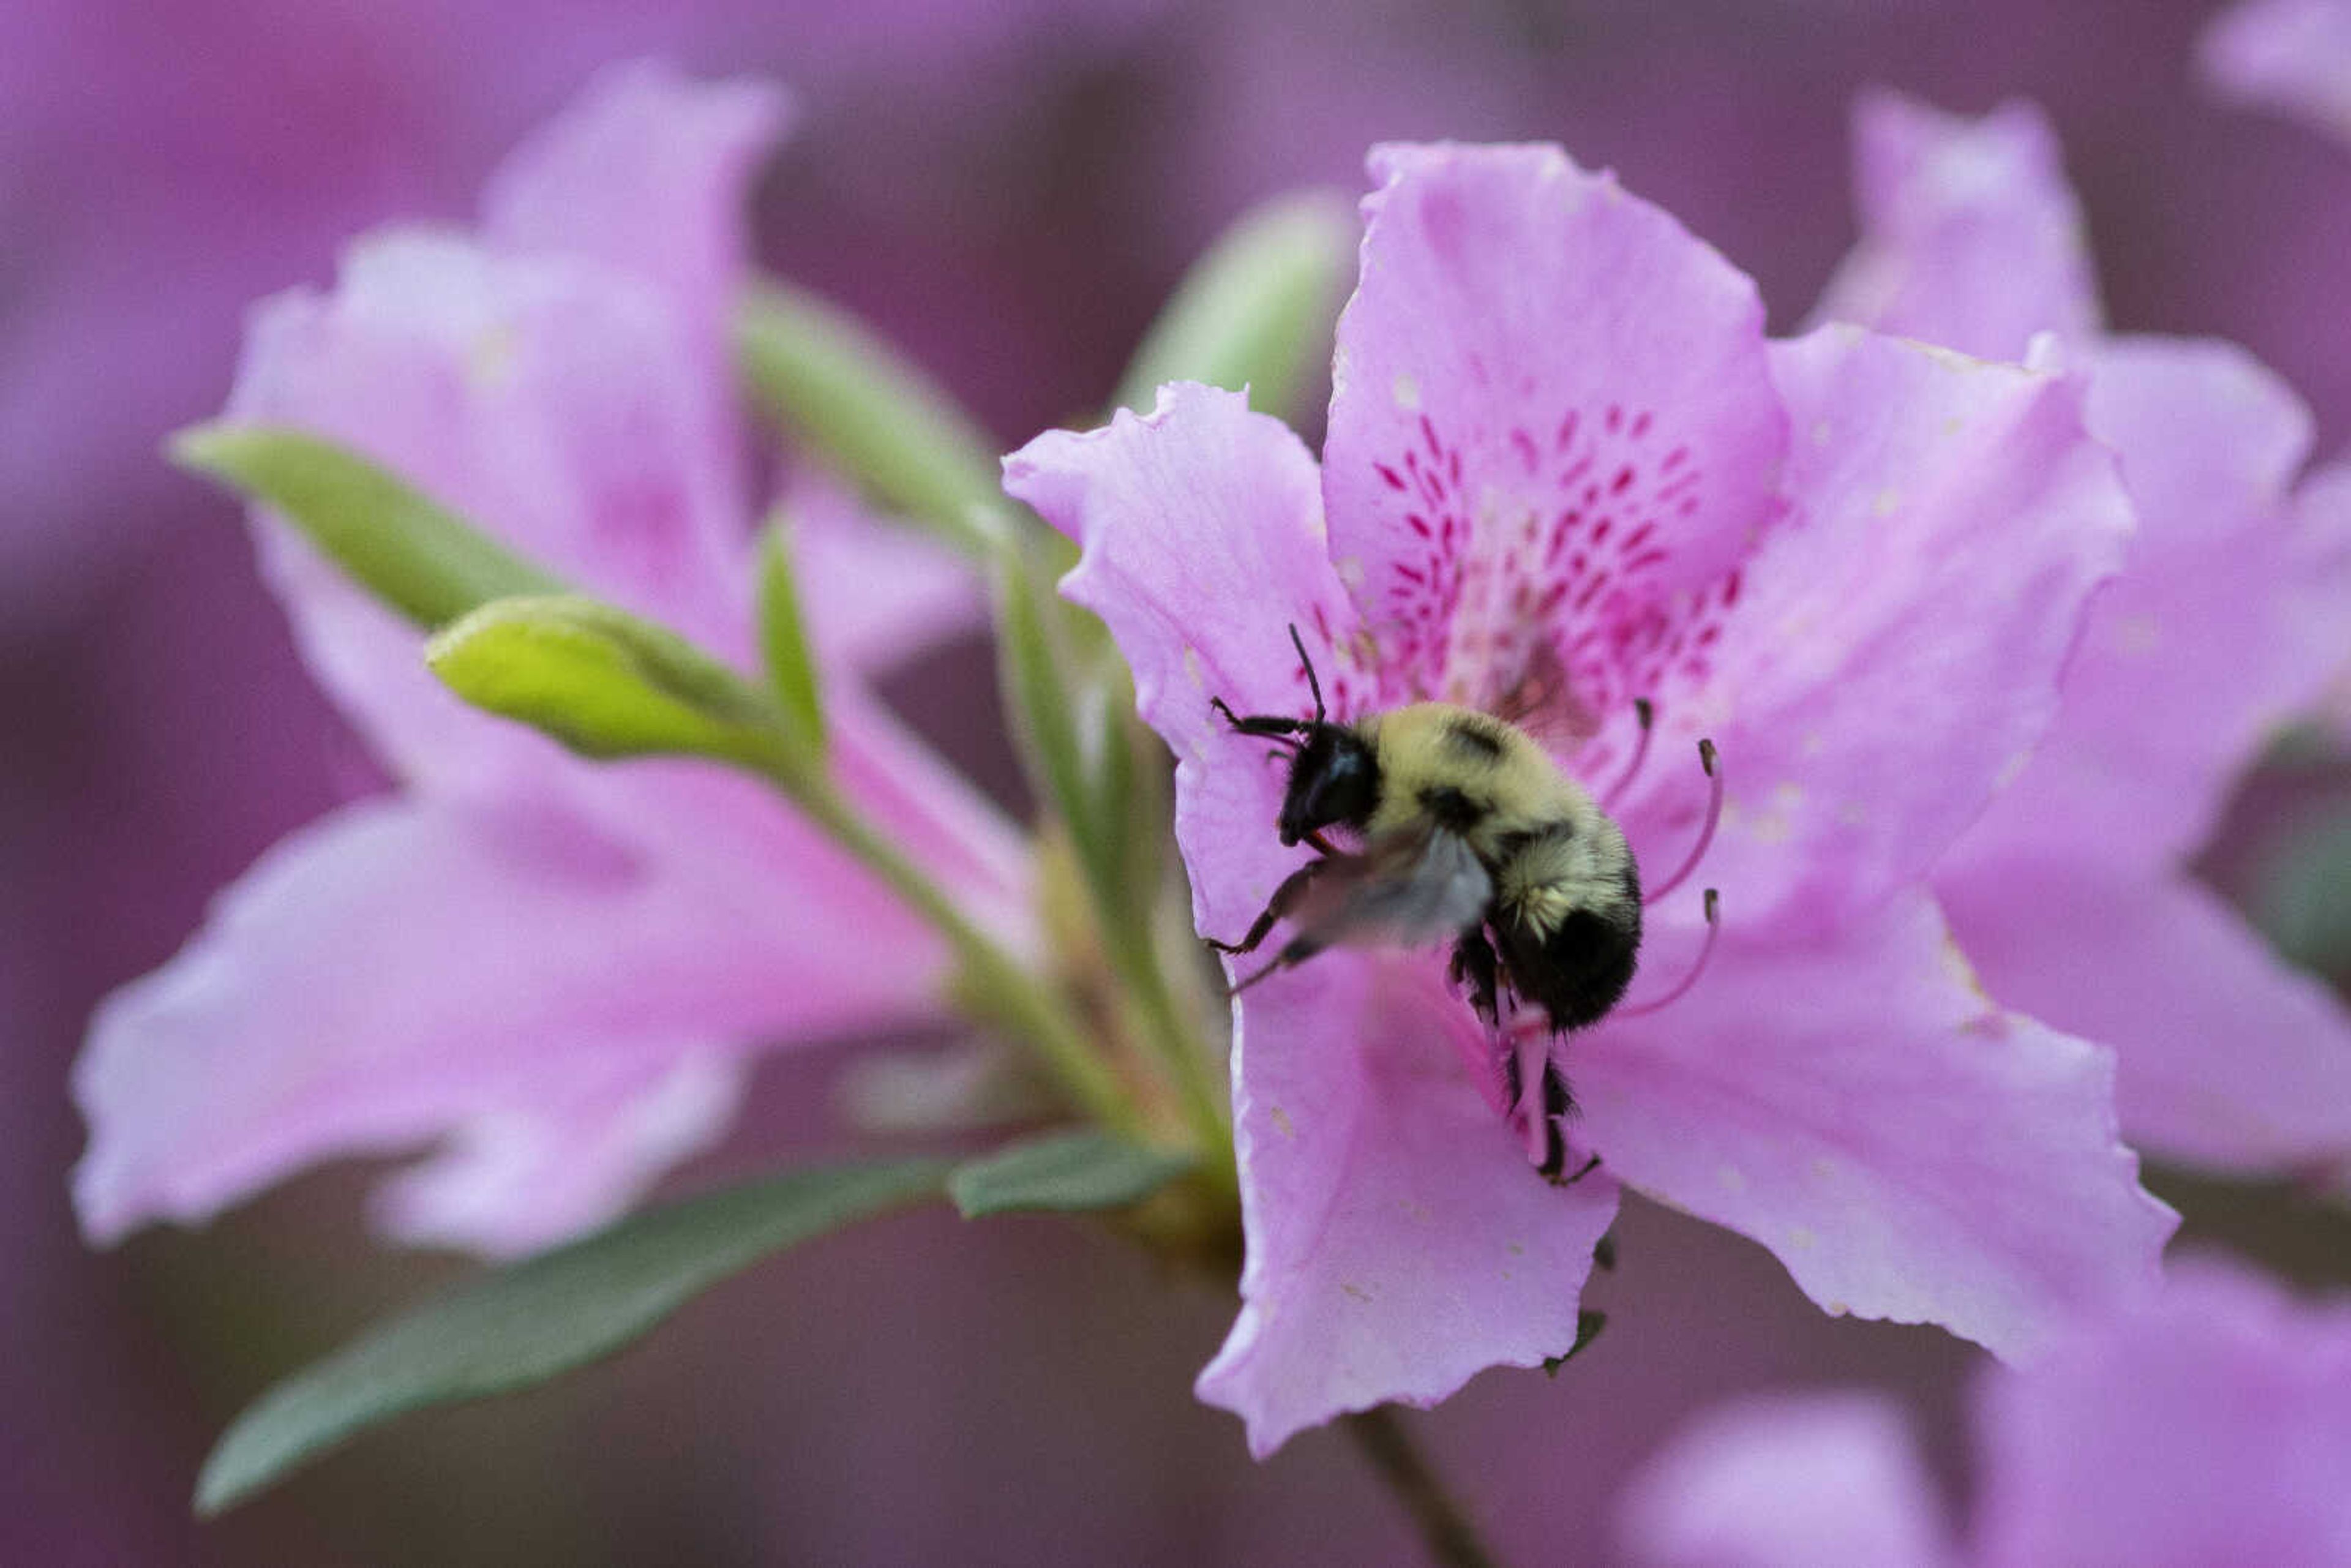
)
(1578, 970)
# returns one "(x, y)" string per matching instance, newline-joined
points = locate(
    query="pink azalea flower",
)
(1856, 563)
(2290, 55)
(2212, 1425)
(2070, 895)
(554, 970)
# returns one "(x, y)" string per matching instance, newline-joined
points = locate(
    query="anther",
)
(1647, 715)
(1708, 760)
(1713, 925)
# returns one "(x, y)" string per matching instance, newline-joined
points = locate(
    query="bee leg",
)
(1285, 899)
(1558, 1107)
(1475, 967)
(1264, 724)
(1577, 1175)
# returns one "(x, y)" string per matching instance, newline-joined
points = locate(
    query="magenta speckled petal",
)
(1551, 408)
(1970, 237)
(407, 968)
(1815, 1480)
(2229, 1058)
(1867, 601)
(1891, 654)
(1907, 1149)
(1202, 526)
(2214, 1427)
(1398, 1242)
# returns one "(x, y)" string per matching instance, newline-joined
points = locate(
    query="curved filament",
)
(1647, 715)
(1681, 989)
(1708, 759)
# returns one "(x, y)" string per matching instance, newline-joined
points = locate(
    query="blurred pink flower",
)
(165, 165)
(2210, 1424)
(1854, 562)
(554, 968)
(2290, 55)
(2071, 896)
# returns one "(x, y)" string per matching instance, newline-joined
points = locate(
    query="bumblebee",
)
(1469, 834)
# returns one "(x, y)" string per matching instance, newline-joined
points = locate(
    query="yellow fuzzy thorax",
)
(1516, 789)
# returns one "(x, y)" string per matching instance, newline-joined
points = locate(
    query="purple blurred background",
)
(1010, 187)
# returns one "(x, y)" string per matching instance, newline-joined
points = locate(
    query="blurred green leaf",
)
(416, 556)
(1038, 676)
(603, 683)
(1256, 309)
(836, 386)
(783, 638)
(2302, 900)
(522, 1325)
(1085, 1169)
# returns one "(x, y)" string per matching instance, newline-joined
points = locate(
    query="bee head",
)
(1333, 779)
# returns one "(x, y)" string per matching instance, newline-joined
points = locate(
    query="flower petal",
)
(1398, 1241)
(1789, 1481)
(2228, 1058)
(647, 173)
(1909, 1151)
(405, 970)
(553, 405)
(2290, 55)
(876, 593)
(2214, 1426)
(2157, 722)
(1550, 404)
(1203, 540)
(1894, 649)
(565, 1157)
(2321, 554)
(1970, 237)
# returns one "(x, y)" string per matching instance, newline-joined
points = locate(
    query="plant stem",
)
(1452, 1541)
(1007, 990)
(1134, 958)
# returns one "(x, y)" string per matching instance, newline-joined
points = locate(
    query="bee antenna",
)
(1311, 684)
(1646, 712)
(1710, 760)
(1681, 989)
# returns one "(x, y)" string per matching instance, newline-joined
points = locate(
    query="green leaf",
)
(522, 1325)
(604, 683)
(1083, 1169)
(2298, 898)
(831, 380)
(783, 638)
(1040, 695)
(1256, 309)
(421, 559)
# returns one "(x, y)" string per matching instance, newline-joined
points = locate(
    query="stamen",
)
(1530, 1116)
(1713, 925)
(1707, 759)
(1648, 718)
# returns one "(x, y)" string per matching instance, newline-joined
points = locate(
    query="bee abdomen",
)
(1571, 962)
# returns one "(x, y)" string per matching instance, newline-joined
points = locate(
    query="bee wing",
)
(1407, 889)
